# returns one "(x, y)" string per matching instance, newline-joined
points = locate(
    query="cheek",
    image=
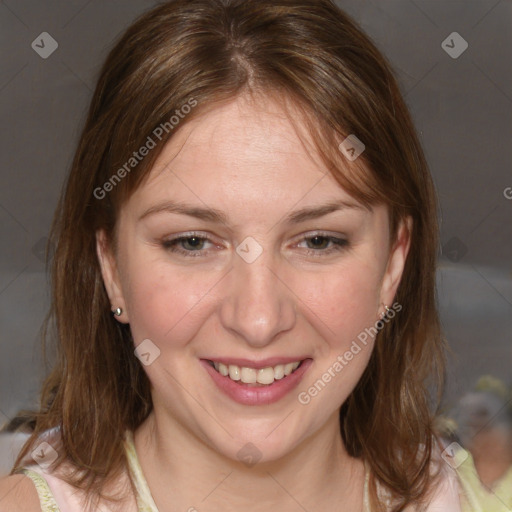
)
(343, 307)
(164, 302)
(342, 303)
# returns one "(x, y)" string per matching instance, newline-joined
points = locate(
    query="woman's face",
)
(241, 249)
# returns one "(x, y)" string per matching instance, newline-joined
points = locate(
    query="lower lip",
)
(257, 395)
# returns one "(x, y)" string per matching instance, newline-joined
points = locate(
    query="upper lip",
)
(262, 363)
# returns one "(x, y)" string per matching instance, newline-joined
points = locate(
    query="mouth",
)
(255, 377)
(257, 383)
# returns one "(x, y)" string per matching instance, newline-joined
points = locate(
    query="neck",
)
(184, 472)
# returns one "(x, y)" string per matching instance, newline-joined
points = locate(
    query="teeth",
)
(265, 375)
(234, 372)
(253, 376)
(248, 375)
(279, 372)
(222, 369)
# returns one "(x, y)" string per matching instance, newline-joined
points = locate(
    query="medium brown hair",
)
(211, 51)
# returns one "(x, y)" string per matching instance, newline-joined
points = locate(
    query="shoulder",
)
(28, 489)
(18, 494)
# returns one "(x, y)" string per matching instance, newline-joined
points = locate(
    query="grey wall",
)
(462, 107)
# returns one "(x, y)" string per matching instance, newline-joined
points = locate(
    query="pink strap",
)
(67, 497)
(446, 498)
(447, 494)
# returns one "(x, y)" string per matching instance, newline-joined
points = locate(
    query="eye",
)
(195, 245)
(190, 245)
(321, 244)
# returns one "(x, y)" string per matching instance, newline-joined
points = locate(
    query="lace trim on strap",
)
(145, 502)
(366, 493)
(48, 503)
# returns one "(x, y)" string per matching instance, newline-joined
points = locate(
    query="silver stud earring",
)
(118, 311)
(385, 313)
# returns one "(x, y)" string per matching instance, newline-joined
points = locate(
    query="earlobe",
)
(111, 277)
(396, 261)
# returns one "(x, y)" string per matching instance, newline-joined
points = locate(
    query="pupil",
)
(193, 241)
(318, 241)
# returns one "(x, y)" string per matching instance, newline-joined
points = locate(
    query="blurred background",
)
(453, 60)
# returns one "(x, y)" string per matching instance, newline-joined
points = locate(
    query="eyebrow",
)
(214, 215)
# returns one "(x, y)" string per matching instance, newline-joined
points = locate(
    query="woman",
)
(244, 277)
(484, 419)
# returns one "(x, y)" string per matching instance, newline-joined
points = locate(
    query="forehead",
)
(243, 134)
(241, 150)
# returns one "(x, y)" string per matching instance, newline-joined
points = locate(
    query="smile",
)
(248, 375)
(271, 381)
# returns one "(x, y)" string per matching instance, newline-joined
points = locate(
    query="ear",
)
(396, 262)
(110, 275)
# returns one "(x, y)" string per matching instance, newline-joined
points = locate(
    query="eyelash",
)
(338, 245)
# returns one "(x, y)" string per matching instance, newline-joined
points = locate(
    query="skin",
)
(492, 452)
(295, 299)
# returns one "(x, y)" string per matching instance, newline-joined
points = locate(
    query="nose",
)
(259, 303)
